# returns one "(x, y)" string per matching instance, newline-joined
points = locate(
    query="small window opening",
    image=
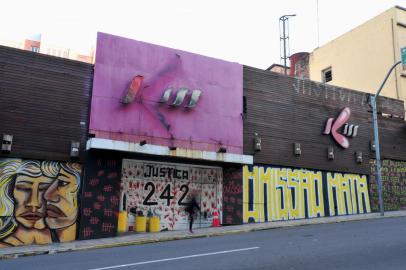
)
(327, 75)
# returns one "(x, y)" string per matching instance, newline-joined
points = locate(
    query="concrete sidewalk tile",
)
(137, 239)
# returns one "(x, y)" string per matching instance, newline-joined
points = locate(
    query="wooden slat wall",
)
(44, 103)
(284, 110)
(392, 136)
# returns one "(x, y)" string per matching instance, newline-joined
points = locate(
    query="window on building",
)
(34, 49)
(327, 75)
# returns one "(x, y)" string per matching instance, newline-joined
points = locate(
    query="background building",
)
(361, 58)
(39, 44)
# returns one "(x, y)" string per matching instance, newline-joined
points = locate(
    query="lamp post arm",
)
(386, 78)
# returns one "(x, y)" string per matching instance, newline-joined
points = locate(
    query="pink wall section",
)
(216, 117)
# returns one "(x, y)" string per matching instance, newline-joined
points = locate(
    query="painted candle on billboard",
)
(164, 189)
(38, 201)
(165, 96)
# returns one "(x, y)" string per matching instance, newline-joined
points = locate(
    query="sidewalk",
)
(143, 238)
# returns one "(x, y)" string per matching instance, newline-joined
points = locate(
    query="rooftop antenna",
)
(284, 38)
(318, 23)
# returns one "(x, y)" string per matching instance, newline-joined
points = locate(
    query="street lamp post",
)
(376, 138)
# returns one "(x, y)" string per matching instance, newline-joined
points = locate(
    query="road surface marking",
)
(175, 258)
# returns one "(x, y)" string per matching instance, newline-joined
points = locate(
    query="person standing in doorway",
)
(190, 209)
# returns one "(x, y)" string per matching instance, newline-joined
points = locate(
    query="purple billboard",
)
(165, 96)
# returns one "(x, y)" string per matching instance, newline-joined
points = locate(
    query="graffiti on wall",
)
(393, 185)
(232, 196)
(100, 198)
(38, 201)
(163, 189)
(329, 93)
(272, 193)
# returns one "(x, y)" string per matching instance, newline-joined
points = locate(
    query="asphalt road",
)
(371, 244)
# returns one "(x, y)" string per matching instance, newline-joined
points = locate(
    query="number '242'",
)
(165, 195)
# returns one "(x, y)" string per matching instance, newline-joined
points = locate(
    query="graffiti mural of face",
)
(61, 197)
(30, 205)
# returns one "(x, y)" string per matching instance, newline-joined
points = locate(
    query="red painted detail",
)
(133, 89)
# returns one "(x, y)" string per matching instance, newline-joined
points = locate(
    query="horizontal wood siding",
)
(285, 110)
(44, 103)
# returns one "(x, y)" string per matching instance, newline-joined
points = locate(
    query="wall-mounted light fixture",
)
(143, 142)
(372, 146)
(74, 149)
(257, 142)
(297, 149)
(222, 149)
(6, 143)
(330, 153)
(358, 156)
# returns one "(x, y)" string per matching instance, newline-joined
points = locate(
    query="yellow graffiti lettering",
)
(283, 193)
(362, 194)
(316, 201)
(282, 207)
(265, 187)
(296, 210)
(347, 193)
(250, 194)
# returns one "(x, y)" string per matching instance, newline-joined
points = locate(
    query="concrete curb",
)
(137, 239)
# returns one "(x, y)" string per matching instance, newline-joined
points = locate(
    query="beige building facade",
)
(38, 44)
(361, 58)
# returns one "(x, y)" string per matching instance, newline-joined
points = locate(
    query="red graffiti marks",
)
(100, 200)
(114, 200)
(108, 188)
(108, 212)
(233, 188)
(232, 196)
(87, 212)
(94, 182)
(87, 232)
(107, 227)
(94, 220)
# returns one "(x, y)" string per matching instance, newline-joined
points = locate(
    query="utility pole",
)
(284, 37)
(376, 137)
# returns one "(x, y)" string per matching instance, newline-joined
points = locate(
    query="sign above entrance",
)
(166, 97)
